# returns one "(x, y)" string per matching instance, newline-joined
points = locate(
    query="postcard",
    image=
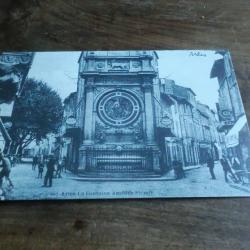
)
(121, 124)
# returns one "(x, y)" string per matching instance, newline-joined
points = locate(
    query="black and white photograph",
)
(122, 124)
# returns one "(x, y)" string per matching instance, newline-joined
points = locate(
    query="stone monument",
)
(116, 113)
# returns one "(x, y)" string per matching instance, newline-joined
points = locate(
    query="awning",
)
(232, 137)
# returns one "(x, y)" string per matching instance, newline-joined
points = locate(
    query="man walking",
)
(227, 169)
(59, 169)
(210, 165)
(64, 164)
(34, 162)
(40, 167)
(50, 171)
(5, 172)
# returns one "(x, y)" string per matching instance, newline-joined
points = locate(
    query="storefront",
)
(174, 151)
(204, 150)
(70, 148)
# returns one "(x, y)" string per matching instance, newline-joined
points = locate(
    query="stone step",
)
(136, 176)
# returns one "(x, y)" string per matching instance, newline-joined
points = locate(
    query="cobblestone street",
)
(196, 184)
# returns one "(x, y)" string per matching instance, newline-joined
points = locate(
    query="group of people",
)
(232, 168)
(54, 168)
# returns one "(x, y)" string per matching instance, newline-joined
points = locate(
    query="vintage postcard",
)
(121, 124)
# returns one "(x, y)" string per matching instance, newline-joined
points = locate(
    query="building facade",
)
(233, 121)
(194, 126)
(68, 140)
(14, 68)
(184, 146)
(230, 106)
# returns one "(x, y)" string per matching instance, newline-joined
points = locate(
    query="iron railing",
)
(123, 160)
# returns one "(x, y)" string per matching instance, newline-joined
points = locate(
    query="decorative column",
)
(88, 125)
(149, 113)
(150, 123)
(88, 120)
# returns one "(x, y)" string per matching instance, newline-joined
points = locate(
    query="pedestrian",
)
(59, 169)
(236, 166)
(210, 165)
(178, 169)
(227, 169)
(34, 162)
(6, 169)
(40, 168)
(50, 171)
(12, 161)
(64, 164)
(175, 168)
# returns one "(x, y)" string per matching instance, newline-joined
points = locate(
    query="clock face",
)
(118, 108)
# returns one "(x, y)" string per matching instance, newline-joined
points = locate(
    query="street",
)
(197, 183)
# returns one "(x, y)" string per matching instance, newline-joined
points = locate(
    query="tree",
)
(37, 112)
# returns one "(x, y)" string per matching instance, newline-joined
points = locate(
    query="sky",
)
(58, 69)
(191, 69)
(188, 68)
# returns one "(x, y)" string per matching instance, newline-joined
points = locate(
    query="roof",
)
(182, 91)
(105, 53)
(203, 109)
(222, 51)
(69, 97)
(167, 98)
(191, 91)
(178, 92)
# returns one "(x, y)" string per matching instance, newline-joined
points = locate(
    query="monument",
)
(117, 113)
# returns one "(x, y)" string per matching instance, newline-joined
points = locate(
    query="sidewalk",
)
(197, 183)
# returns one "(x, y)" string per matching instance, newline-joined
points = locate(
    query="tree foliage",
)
(36, 113)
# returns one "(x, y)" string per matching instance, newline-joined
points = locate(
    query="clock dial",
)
(118, 108)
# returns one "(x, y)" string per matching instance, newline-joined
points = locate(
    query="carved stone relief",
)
(100, 65)
(118, 64)
(136, 64)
